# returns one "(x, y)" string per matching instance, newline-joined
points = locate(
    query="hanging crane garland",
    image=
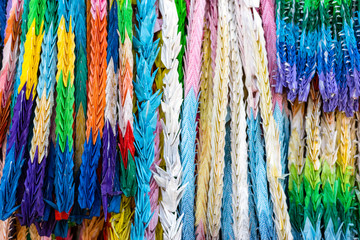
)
(171, 106)
(64, 178)
(125, 164)
(125, 103)
(81, 71)
(145, 123)
(110, 136)
(204, 147)
(189, 112)
(17, 141)
(89, 189)
(32, 206)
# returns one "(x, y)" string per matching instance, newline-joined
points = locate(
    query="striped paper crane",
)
(125, 101)
(10, 52)
(296, 165)
(220, 100)
(205, 108)
(274, 172)
(32, 205)
(17, 140)
(344, 174)
(145, 123)
(170, 180)
(110, 133)
(64, 179)
(313, 208)
(189, 112)
(89, 189)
